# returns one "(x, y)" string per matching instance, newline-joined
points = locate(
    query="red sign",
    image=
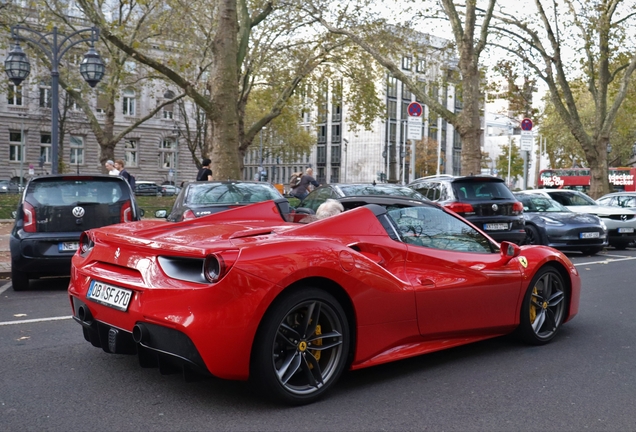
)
(415, 109)
(526, 124)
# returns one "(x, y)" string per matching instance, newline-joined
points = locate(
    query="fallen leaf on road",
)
(24, 337)
(19, 315)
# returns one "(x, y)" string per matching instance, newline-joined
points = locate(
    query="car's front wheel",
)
(532, 236)
(19, 279)
(301, 346)
(543, 308)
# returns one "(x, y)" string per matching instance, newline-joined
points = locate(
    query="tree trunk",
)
(223, 131)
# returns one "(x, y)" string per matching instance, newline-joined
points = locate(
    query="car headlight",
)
(551, 221)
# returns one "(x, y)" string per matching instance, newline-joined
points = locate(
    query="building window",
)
(432, 126)
(102, 103)
(459, 100)
(405, 110)
(77, 150)
(15, 143)
(406, 62)
(391, 87)
(130, 152)
(335, 133)
(321, 154)
(14, 95)
(168, 113)
(167, 153)
(322, 134)
(335, 154)
(336, 103)
(406, 93)
(45, 148)
(45, 97)
(129, 102)
(391, 109)
(421, 66)
(335, 175)
(72, 104)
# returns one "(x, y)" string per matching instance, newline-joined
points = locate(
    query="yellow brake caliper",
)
(533, 308)
(317, 342)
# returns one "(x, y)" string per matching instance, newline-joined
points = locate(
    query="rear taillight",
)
(29, 224)
(217, 265)
(126, 214)
(517, 208)
(189, 214)
(461, 208)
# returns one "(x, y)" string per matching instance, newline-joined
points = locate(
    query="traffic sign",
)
(526, 124)
(414, 128)
(415, 109)
(527, 141)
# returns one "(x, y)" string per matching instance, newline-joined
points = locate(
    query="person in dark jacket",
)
(302, 190)
(205, 173)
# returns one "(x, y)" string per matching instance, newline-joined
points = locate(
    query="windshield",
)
(230, 193)
(535, 203)
(381, 189)
(572, 198)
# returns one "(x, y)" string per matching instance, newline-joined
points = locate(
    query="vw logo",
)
(623, 217)
(78, 212)
(495, 207)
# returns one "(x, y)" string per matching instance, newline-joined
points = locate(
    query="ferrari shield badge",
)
(523, 261)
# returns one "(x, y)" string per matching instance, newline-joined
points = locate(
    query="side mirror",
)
(508, 251)
(161, 214)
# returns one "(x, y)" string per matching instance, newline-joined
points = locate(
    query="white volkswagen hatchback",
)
(620, 222)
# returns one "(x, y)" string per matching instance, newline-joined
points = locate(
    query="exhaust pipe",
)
(140, 333)
(84, 314)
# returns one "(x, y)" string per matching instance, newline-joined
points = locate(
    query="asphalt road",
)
(51, 379)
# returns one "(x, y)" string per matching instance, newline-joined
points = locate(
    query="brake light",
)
(125, 214)
(517, 208)
(188, 214)
(461, 208)
(217, 264)
(29, 224)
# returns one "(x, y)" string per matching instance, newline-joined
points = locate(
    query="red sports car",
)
(243, 294)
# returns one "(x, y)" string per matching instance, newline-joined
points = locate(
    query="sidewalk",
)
(5, 254)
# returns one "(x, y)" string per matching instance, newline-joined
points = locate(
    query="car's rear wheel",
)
(532, 236)
(301, 346)
(543, 308)
(19, 279)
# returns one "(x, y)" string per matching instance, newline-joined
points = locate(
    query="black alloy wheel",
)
(544, 307)
(301, 347)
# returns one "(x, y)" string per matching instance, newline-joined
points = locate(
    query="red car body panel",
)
(404, 300)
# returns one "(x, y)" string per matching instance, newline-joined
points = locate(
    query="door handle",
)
(425, 282)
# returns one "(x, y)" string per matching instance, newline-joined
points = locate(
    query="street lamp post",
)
(346, 143)
(177, 133)
(261, 168)
(21, 150)
(17, 67)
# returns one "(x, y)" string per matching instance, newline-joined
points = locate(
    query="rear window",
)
(476, 190)
(380, 189)
(64, 205)
(230, 193)
(71, 192)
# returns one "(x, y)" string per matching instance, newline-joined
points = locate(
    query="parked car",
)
(203, 198)
(620, 222)
(291, 306)
(7, 186)
(310, 204)
(552, 224)
(170, 190)
(619, 199)
(148, 188)
(52, 214)
(484, 200)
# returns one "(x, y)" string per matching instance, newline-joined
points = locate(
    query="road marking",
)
(606, 261)
(37, 320)
(4, 287)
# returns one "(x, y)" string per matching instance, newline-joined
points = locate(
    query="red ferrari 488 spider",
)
(243, 294)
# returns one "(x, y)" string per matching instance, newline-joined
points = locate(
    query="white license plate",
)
(496, 226)
(115, 297)
(590, 235)
(625, 230)
(68, 246)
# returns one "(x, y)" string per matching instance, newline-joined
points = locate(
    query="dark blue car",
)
(552, 224)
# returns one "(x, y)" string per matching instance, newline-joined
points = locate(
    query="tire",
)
(620, 245)
(592, 251)
(283, 365)
(19, 279)
(532, 236)
(543, 308)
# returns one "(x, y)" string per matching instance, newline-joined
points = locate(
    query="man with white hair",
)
(331, 207)
(110, 167)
